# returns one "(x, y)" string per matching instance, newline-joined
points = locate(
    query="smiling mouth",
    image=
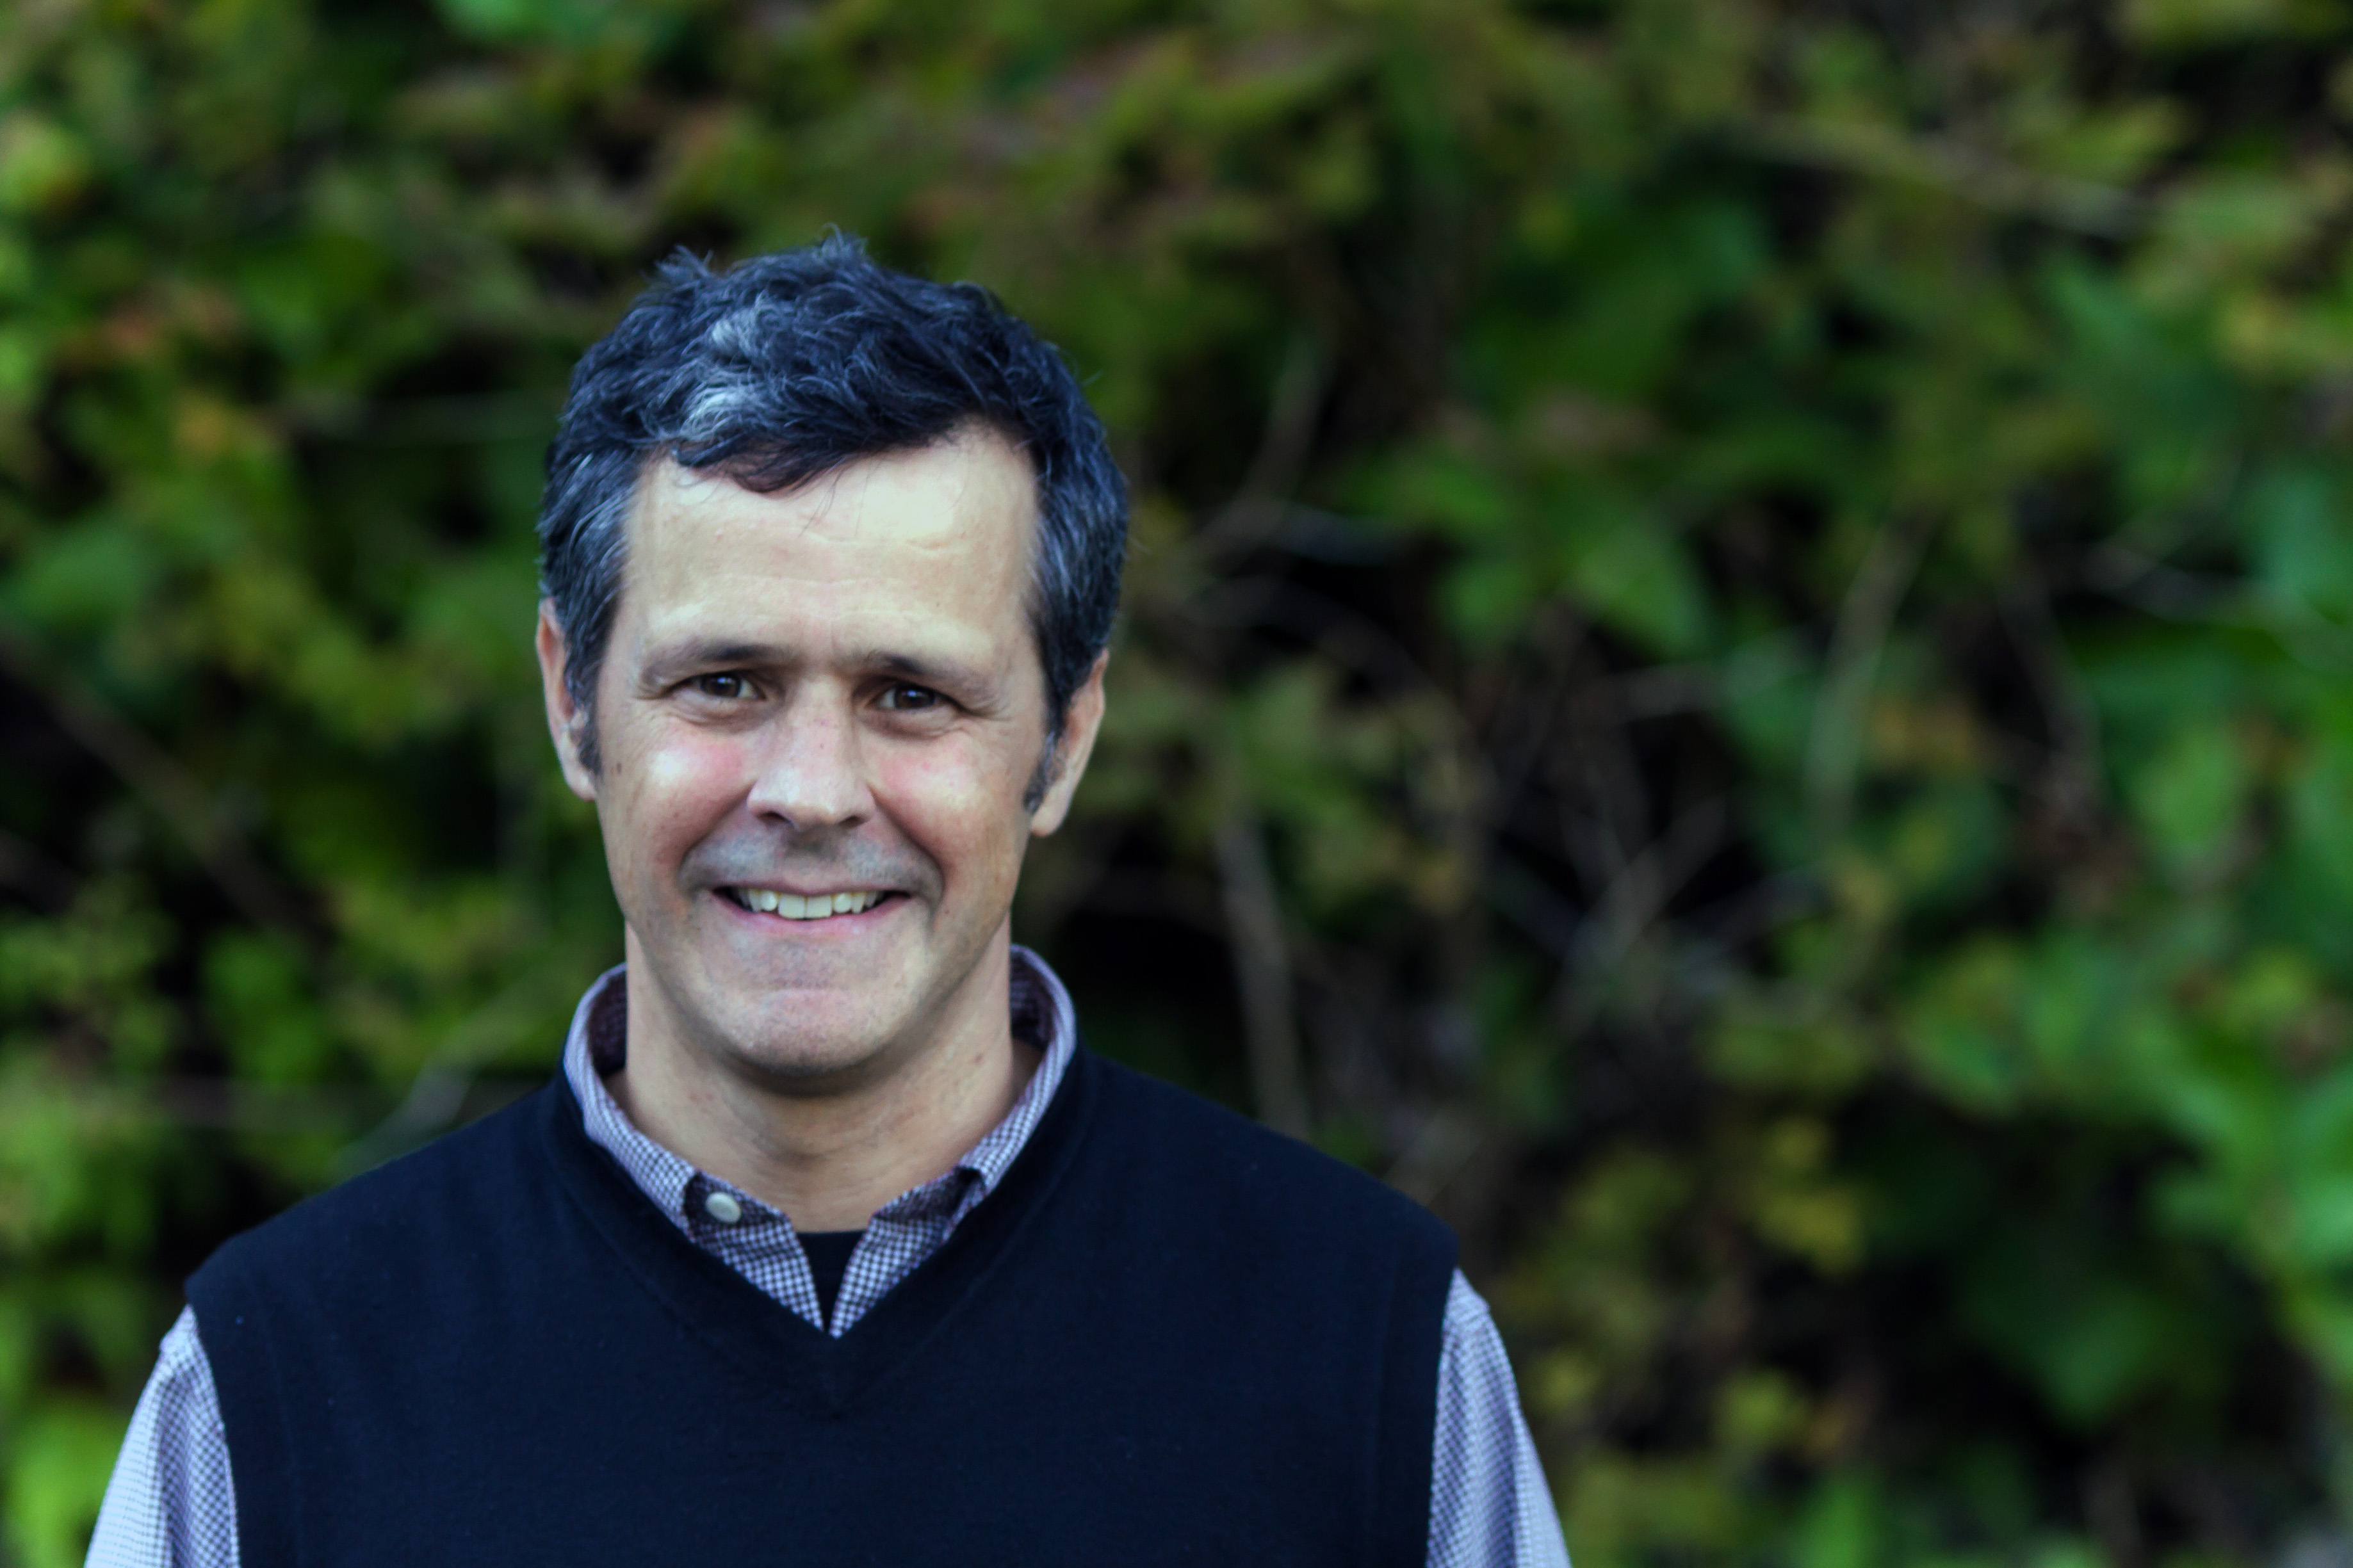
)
(797, 906)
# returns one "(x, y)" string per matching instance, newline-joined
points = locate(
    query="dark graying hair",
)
(786, 367)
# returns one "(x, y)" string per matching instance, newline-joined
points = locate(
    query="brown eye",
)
(728, 688)
(910, 698)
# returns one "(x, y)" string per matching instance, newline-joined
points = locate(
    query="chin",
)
(799, 1063)
(808, 1049)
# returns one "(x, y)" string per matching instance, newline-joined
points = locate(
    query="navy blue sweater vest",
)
(1168, 1336)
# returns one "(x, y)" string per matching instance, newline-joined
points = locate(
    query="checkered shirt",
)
(171, 1503)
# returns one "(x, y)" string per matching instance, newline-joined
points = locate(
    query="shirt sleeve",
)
(1489, 1505)
(171, 1503)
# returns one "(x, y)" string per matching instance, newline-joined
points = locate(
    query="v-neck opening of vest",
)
(763, 1334)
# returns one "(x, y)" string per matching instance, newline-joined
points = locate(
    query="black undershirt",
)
(828, 1260)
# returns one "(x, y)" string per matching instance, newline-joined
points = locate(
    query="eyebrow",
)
(704, 654)
(925, 671)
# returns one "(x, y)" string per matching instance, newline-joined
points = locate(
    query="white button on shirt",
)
(171, 1503)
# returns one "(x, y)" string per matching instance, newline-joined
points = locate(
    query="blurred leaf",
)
(1880, 1019)
(58, 1461)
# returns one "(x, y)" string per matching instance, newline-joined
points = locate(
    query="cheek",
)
(955, 801)
(675, 787)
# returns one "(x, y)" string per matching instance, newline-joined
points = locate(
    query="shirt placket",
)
(902, 1233)
(754, 1240)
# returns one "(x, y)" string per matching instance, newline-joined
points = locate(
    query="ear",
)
(1080, 724)
(563, 717)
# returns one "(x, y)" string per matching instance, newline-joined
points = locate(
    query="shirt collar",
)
(598, 1044)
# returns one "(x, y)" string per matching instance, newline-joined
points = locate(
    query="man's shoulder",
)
(1248, 1174)
(455, 1187)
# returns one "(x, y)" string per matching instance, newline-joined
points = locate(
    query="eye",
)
(903, 699)
(724, 685)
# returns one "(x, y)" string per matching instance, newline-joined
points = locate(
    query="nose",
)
(812, 776)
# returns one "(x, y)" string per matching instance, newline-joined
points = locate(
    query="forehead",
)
(886, 547)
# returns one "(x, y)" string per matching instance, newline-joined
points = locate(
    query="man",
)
(830, 1243)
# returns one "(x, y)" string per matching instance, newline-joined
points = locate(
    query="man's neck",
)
(829, 1160)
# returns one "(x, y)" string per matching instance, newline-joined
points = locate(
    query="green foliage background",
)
(1739, 672)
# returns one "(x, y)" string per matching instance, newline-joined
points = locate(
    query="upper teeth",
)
(814, 907)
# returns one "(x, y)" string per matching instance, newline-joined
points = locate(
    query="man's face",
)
(818, 714)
